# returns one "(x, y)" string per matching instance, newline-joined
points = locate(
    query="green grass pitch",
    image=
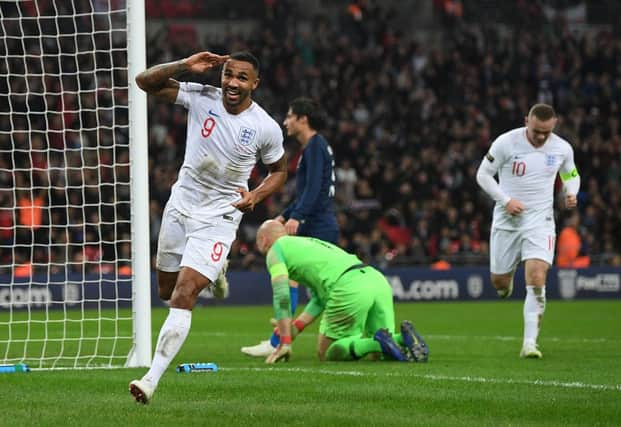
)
(474, 376)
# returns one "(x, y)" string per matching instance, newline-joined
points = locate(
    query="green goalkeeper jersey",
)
(311, 262)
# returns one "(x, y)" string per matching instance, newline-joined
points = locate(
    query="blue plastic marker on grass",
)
(197, 367)
(18, 367)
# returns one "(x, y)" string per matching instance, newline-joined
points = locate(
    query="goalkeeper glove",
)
(282, 352)
(297, 326)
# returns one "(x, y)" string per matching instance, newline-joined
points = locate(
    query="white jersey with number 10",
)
(528, 174)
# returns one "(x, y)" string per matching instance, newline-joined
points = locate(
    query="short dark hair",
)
(246, 56)
(303, 106)
(542, 111)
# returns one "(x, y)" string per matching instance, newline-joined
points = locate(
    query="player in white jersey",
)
(527, 161)
(227, 132)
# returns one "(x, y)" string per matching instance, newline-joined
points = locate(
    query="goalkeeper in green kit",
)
(355, 299)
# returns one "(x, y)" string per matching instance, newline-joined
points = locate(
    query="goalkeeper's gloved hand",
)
(282, 352)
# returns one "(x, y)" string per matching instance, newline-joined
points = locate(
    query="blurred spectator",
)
(346, 177)
(569, 244)
(441, 265)
(30, 208)
(24, 269)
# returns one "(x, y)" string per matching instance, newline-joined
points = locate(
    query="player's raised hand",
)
(203, 61)
(247, 202)
(281, 354)
(571, 201)
(514, 207)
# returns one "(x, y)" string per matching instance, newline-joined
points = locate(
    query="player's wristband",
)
(285, 339)
(299, 325)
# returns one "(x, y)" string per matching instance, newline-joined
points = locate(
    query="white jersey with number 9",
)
(221, 151)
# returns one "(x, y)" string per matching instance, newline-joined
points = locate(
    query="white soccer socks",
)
(534, 307)
(172, 336)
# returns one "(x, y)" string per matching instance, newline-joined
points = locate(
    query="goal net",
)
(68, 206)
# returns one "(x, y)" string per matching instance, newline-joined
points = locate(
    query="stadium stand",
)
(409, 120)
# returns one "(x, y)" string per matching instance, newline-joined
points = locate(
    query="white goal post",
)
(75, 281)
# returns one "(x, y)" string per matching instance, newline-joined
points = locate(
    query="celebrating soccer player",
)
(527, 160)
(227, 132)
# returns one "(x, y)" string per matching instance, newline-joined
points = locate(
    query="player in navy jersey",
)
(312, 212)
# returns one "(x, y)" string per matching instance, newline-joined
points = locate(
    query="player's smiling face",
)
(538, 131)
(239, 79)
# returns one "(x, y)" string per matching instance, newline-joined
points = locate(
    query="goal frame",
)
(140, 354)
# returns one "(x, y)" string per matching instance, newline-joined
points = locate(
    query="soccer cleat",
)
(389, 347)
(505, 293)
(263, 349)
(220, 288)
(530, 351)
(415, 344)
(141, 390)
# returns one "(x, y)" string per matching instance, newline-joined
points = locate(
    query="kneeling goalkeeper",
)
(355, 299)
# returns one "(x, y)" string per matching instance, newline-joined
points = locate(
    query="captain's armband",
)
(566, 176)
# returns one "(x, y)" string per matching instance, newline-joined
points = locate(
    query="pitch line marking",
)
(481, 380)
(432, 377)
(516, 338)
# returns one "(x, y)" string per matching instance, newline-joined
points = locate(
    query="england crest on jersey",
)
(246, 135)
(550, 160)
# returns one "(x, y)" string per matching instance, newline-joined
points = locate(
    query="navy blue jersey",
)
(313, 205)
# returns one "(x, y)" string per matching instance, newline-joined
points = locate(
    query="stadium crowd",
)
(409, 124)
(64, 153)
(410, 121)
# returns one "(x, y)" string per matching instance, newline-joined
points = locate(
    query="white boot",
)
(263, 349)
(530, 351)
(142, 390)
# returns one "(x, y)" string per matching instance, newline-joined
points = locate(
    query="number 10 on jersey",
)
(519, 168)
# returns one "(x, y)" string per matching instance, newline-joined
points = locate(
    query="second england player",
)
(527, 161)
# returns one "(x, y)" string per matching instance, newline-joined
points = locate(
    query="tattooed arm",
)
(158, 80)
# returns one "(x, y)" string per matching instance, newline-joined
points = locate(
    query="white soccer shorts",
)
(507, 248)
(186, 242)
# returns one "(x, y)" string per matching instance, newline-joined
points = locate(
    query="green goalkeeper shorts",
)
(359, 304)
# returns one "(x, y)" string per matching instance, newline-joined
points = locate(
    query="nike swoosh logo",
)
(213, 114)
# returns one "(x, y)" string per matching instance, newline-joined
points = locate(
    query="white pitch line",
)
(482, 380)
(516, 338)
(432, 377)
